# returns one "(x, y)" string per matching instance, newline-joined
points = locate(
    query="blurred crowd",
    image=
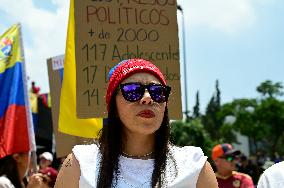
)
(19, 170)
(234, 169)
(254, 165)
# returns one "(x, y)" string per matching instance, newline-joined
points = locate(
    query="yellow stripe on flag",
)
(68, 121)
(9, 44)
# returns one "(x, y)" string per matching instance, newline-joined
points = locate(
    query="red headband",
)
(125, 69)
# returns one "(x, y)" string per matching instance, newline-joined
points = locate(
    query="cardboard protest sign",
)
(64, 142)
(109, 31)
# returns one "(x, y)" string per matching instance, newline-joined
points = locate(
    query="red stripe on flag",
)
(14, 135)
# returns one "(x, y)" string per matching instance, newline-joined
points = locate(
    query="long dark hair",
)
(8, 168)
(110, 144)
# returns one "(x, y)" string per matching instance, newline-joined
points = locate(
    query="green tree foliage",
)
(191, 133)
(218, 95)
(208, 119)
(196, 112)
(211, 121)
(245, 119)
(269, 89)
(227, 134)
(261, 120)
(270, 113)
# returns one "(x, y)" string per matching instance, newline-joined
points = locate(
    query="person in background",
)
(13, 169)
(38, 180)
(34, 88)
(226, 159)
(49, 176)
(267, 164)
(134, 149)
(247, 166)
(48, 173)
(45, 160)
(273, 177)
(44, 178)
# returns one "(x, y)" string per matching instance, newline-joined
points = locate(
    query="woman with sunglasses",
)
(134, 149)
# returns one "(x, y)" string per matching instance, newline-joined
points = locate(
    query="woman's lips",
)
(146, 114)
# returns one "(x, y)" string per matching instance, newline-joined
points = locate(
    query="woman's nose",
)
(146, 99)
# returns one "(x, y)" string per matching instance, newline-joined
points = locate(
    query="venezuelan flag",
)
(14, 124)
(68, 121)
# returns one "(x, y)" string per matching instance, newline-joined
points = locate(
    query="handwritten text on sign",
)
(109, 31)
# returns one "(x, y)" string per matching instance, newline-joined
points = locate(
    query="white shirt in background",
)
(273, 177)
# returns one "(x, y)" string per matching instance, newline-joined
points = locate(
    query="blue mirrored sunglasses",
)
(134, 91)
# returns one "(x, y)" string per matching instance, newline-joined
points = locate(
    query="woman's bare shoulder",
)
(207, 177)
(69, 173)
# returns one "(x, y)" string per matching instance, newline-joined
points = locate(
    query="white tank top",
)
(136, 173)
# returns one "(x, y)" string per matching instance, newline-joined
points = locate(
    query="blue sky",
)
(238, 42)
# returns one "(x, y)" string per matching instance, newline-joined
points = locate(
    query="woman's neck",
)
(139, 145)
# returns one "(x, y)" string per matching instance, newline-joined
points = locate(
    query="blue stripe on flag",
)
(11, 86)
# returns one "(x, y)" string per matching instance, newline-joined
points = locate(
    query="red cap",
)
(221, 150)
(125, 69)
